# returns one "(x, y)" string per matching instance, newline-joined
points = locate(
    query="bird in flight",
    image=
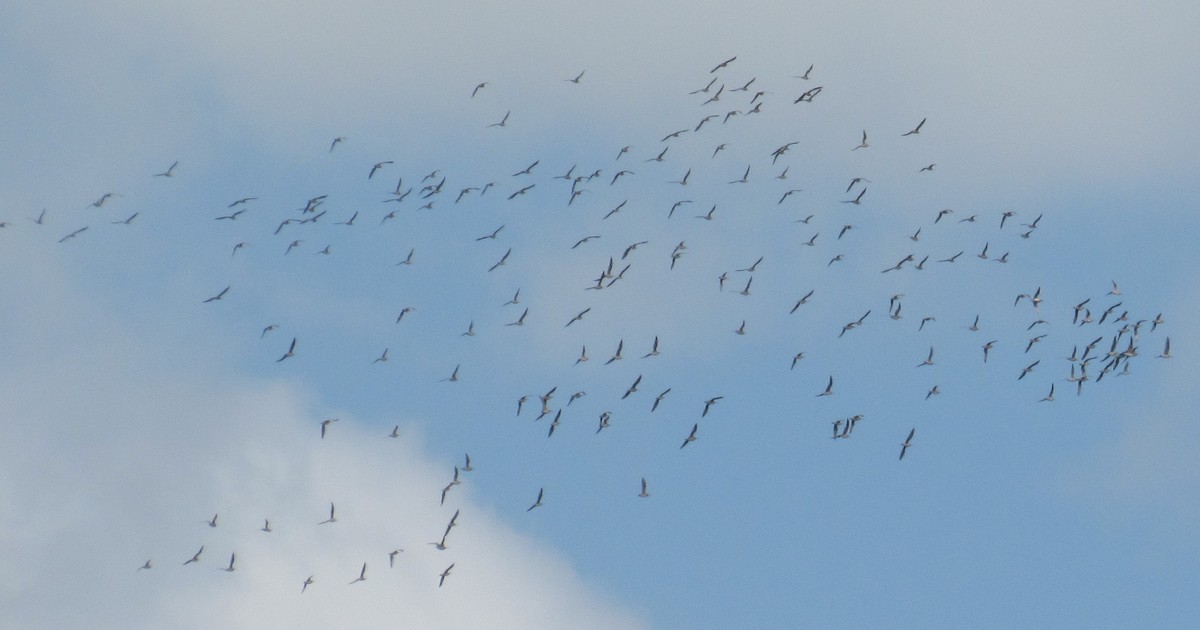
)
(331, 518)
(576, 79)
(477, 88)
(169, 171)
(917, 130)
(503, 121)
(219, 295)
(537, 503)
(863, 144)
(828, 389)
(644, 492)
(442, 576)
(145, 566)
(691, 436)
(229, 568)
(362, 575)
(195, 558)
(907, 443)
(306, 584)
(723, 64)
(658, 399)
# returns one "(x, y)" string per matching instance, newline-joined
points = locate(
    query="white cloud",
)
(120, 452)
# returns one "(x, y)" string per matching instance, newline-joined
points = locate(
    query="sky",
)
(137, 406)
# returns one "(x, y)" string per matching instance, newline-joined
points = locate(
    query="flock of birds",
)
(1110, 333)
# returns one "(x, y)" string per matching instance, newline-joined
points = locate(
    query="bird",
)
(103, 198)
(307, 582)
(266, 526)
(576, 79)
(1049, 397)
(362, 575)
(376, 167)
(828, 389)
(331, 518)
(520, 320)
(658, 399)
(212, 522)
(653, 350)
(928, 360)
(477, 88)
(617, 355)
(691, 436)
(196, 557)
(723, 64)
(125, 221)
(857, 200)
(632, 388)
(1028, 369)
(325, 425)
(145, 566)
(229, 568)
(219, 295)
(987, 348)
(442, 576)
(863, 144)
(802, 301)
(73, 234)
(503, 121)
(500, 262)
(395, 552)
(578, 317)
(382, 358)
(1166, 353)
(907, 443)
(709, 403)
(644, 493)
(492, 235)
(395, 432)
(916, 130)
(806, 73)
(796, 359)
(538, 503)
(335, 142)
(808, 96)
(453, 378)
(586, 239)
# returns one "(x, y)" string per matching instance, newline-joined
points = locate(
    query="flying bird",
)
(691, 436)
(907, 443)
(917, 130)
(537, 503)
(503, 121)
(219, 295)
(195, 558)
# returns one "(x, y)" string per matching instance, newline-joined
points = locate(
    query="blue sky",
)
(136, 410)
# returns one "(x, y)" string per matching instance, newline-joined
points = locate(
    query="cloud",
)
(121, 451)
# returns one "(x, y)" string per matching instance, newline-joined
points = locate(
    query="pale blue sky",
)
(136, 411)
